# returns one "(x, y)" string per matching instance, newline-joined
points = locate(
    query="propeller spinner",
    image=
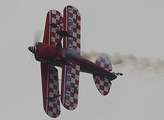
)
(32, 49)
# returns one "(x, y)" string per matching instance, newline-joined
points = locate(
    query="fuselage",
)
(59, 56)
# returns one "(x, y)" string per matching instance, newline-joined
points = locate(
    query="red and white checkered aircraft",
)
(52, 53)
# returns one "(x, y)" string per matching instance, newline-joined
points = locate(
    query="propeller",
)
(37, 36)
(33, 49)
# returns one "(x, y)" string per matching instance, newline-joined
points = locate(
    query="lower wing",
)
(50, 90)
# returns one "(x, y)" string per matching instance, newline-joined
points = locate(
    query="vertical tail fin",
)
(103, 83)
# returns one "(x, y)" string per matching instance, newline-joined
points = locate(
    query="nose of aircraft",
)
(32, 49)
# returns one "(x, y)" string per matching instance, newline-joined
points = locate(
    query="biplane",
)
(61, 48)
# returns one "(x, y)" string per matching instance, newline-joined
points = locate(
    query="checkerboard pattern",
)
(70, 88)
(103, 61)
(102, 83)
(55, 24)
(52, 101)
(72, 24)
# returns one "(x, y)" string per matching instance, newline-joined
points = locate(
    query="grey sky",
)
(116, 26)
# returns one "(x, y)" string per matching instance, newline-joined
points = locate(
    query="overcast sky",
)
(130, 30)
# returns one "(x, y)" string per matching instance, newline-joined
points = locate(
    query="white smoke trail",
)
(143, 64)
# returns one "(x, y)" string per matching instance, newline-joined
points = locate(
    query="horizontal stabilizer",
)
(102, 83)
(104, 62)
(103, 80)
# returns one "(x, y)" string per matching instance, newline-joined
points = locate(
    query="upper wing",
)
(70, 85)
(70, 73)
(72, 24)
(50, 90)
(54, 23)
